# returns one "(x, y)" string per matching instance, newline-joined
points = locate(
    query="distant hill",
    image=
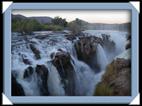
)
(18, 16)
(42, 20)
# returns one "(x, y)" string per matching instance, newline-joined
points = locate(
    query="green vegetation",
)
(103, 89)
(59, 21)
(27, 26)
(77, 26)
(51, 27)
(116, 79)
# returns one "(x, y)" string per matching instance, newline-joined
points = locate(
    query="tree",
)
(25, 26)
(74, 28)
(59, 21)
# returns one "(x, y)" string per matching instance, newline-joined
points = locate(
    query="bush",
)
(59, 21)
(74, 28)
(25, 26)
(52, 27)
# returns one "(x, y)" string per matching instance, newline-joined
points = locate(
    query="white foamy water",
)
(85, 77)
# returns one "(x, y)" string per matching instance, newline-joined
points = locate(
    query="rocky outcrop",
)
(86, 49)
(35, 51)
(70, 37)
(128, 44)
(17, 89)
(62, 61)
(116, 81)
(28, 72)
(107, 42)
(42, 73)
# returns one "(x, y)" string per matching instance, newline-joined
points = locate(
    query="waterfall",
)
(30, 85)
(101, 57)
(80, 77)
(55, 86)
(84, 84)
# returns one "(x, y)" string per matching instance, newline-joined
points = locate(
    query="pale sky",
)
(91, 16)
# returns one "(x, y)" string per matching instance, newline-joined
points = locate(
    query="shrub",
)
(52, 27)
(103, 89)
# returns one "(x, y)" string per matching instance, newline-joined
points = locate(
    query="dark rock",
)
(62, 62)
(107, 42)
(28, 72)
(128, 45)
(42, 73)
(129, 37)
(35, 51)
(42, 36)
(26, 60)
(70, 37)
(86, 49)
(17, 89)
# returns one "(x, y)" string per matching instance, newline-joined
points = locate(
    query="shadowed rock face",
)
(128, 45)
(17, 89)
(42, 73)
(117, 79)
(28, 72)
(61, 60)
(86, 49)
(35, 51)
(107, 42)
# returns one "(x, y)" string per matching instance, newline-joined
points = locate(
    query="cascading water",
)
(101, 57)
(55, 86)
(85, 78)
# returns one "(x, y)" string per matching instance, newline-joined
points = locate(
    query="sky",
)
(91, 16)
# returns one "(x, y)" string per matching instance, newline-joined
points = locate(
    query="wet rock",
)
(17, 89)
(116, 81)
(128, 44)
(42, 36)
(42, 73)
(62, 61)
(28, 72)
(35, 51)
(26, 60)
(86, 48)
(70, 37)
(107, 42)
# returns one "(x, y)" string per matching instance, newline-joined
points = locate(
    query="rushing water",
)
(85, 78)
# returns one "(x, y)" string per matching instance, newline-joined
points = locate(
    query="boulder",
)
(35, 51)
(26, 60)
(28, 72)
(128, 45)
(116, 77)
(70, 37)
(17, 89)
(42, 73)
